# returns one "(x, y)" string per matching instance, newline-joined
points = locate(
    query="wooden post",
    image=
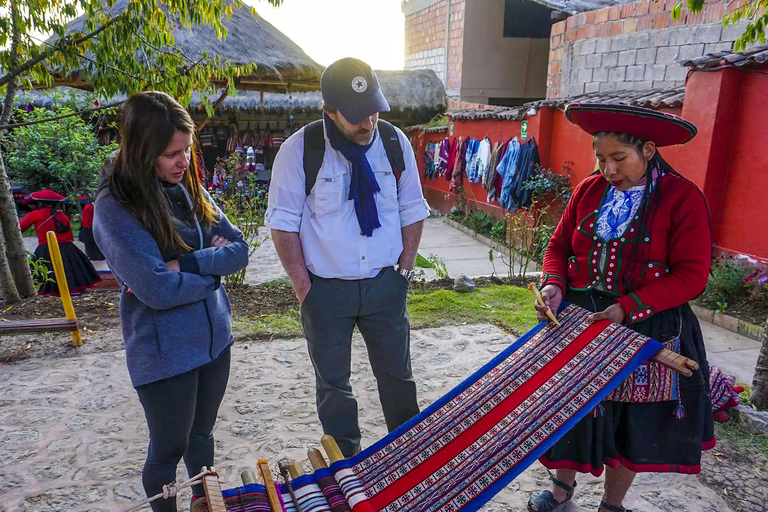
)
(216, 105)
(61, 281)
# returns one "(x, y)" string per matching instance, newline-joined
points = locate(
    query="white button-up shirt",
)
(325, 219)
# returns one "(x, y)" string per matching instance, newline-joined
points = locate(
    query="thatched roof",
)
(249, 41)
(416, 95)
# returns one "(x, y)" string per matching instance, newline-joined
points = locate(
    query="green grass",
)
(509, 307)
(281, 281)
(286, 324)
(740, 437)
(422, 262)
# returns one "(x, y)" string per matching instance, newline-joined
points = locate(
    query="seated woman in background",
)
(86, 231)
(49, 217)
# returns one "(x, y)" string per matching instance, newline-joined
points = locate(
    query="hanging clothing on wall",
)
(470, 159)
(491, 173)
(508, 169)
(529, 159)
(454, 149)
(441, 155)
(429, 160)
(481, 161)
(498, 180)
(461, 162)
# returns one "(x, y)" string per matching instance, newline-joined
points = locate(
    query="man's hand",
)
(553, 296)
(302, 293)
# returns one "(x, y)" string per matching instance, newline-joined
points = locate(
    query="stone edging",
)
(727, 322)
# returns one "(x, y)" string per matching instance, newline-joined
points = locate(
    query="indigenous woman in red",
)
(49, 217)
(634, 245)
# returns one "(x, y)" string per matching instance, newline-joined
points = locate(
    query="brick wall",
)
(633, 46)
(425, 25)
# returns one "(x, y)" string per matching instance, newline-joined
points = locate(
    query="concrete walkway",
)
(461, 253)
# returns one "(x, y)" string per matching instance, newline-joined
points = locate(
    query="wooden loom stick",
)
(331, 448)
(316, 458)
(213, 496)
(269, 483)
(676, 362)
(283, 467)
(295, 469)
(540, 300)
(248, 476)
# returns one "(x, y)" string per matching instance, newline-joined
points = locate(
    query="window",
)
(526, 18)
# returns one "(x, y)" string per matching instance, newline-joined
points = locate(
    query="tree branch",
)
(53, 49)
(56, 118)
(10, 91)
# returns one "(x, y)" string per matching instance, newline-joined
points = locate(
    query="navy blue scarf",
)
(363, 184)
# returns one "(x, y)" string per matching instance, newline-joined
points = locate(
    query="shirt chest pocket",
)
(328, 194)
(386, 199)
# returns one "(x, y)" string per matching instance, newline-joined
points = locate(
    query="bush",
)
(63, 155)
(726, 283)
(480, 222)
(756, 285)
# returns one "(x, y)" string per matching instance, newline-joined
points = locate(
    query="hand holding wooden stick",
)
(540, 300)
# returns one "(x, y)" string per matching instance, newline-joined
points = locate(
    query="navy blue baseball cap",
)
(352, 87)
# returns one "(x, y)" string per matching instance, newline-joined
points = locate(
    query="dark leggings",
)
(181, 412)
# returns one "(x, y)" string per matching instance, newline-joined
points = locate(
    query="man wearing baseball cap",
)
(346, 212)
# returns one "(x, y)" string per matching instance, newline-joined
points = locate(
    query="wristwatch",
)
(408, 274)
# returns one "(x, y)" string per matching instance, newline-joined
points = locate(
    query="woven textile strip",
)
(467, 446)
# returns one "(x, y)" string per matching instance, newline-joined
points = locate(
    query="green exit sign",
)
(524, 130)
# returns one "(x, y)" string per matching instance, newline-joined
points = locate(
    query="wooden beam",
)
(216, 105)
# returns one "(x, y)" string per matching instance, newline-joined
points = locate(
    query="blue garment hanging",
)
(529, 155)
(507, 169)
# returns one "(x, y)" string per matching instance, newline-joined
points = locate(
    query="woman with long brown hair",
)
(168, 246)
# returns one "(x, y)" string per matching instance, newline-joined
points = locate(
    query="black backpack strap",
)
(314, 151)
(392, 147)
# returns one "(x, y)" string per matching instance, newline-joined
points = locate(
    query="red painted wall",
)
(744, 210)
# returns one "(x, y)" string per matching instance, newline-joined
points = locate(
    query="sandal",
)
(545, 501)
(612, 508)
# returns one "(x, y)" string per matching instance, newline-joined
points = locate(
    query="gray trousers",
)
(378, 307)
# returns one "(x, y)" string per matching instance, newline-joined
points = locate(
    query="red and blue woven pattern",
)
(467, 446)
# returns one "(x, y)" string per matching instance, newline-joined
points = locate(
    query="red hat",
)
(662, 128)
(47, 195)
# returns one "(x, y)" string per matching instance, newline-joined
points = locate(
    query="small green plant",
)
(439, 265)
(247, 213)
(721, 307)
(756, 285)
(41, 275)
(422, 262)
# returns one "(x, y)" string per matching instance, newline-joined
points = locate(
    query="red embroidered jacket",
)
(43, 222)
(672, 261)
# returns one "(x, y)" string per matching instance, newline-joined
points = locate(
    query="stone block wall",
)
(633, 46)
(425, 39)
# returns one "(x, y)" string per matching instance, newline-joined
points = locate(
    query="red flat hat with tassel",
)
(662, 128)
(47, 195)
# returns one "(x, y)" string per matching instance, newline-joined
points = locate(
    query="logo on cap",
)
(359, 84)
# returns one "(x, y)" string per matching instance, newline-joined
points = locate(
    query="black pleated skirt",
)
(645, 437)
(91, 248)
(77, 267)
